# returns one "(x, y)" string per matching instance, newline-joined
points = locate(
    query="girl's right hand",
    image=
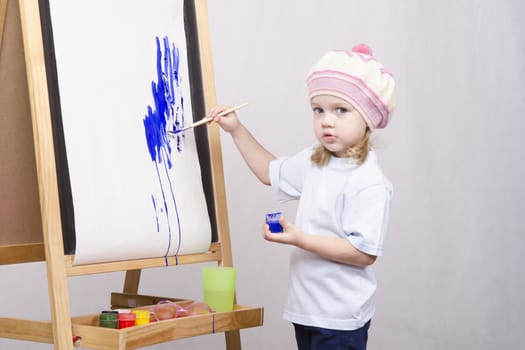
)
(291, 234)
(228, 122)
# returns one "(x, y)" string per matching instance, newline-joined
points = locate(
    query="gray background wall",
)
(451, 276)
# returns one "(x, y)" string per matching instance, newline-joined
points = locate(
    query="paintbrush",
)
(208, 119)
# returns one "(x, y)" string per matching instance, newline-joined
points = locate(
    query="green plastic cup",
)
(219, 287)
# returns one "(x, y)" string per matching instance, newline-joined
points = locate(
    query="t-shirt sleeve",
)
(287, 175)
(366, 218)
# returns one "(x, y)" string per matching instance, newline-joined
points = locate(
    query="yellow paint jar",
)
(142, 316)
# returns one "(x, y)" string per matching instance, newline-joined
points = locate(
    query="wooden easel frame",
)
(62, 327)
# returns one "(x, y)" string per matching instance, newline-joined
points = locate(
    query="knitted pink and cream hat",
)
(356, 76)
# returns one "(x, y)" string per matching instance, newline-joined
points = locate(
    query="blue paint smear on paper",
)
(156, 216)
(167, 113)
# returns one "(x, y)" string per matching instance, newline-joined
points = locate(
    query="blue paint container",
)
(272, 219)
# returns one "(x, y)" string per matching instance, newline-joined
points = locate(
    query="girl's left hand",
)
(291, 234)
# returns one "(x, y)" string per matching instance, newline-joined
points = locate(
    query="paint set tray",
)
(88, 334)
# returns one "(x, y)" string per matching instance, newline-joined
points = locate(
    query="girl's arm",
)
(332, 248)
(254, 154)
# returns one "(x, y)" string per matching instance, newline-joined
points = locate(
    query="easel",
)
(41, 239)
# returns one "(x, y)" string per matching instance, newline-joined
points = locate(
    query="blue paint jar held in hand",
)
(272, 219)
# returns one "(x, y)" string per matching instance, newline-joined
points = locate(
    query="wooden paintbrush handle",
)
(233, 109)
(209, 119)
(200, 122)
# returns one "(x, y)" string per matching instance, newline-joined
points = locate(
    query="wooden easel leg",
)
(3, 13)
(233, 340)
(131, 283)
(46, 171)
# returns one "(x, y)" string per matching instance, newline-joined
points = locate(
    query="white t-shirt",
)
(342, 199)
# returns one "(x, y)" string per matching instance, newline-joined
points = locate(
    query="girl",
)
(344, 199)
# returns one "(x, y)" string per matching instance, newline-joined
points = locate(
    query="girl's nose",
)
(328, 120)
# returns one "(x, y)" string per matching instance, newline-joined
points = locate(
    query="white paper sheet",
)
(112, 59)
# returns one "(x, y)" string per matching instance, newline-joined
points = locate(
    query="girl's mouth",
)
(329, 138)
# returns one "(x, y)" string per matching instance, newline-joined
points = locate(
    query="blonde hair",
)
(359, 151)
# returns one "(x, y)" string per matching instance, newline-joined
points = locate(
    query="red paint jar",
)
(126, 319)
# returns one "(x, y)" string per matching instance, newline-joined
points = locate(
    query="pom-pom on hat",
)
(359, 78)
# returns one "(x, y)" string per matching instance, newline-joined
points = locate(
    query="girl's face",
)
(337, 124)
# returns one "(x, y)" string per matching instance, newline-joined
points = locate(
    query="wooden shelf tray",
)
(94, 337)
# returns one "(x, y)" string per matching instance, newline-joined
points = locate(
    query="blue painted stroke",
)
(167, 113)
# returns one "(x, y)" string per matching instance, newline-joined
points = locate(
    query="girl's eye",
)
(317, 110)
(341, 110)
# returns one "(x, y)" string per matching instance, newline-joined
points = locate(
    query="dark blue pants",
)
(314, 338)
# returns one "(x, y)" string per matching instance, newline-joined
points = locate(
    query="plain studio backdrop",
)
(451, 276)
